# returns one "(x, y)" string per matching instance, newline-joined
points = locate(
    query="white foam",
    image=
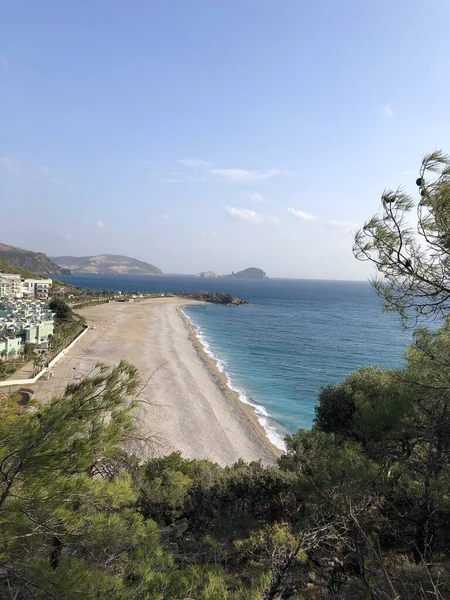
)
(273, 433)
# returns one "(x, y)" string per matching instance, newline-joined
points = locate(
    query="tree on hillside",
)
(411, 250)
(61, 309)
(70, 525)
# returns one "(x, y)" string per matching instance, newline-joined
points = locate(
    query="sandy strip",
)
(187, 403)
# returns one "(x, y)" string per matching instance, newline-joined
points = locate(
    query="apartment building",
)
(37, 288)
(15, 286)
(14, 282)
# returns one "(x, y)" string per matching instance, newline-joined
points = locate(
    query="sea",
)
(293, 337)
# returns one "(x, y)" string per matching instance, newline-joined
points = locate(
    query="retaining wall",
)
(14, 382)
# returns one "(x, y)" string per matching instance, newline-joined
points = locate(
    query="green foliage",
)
(359, 502)
(6, 267)
(411, 251)
(62, 310)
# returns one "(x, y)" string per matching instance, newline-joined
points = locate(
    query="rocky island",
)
(207, 274)
(250, 273)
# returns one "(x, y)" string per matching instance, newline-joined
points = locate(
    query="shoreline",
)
(187, 405)
(222, 382)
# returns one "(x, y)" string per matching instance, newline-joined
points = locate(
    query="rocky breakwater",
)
(213, 297)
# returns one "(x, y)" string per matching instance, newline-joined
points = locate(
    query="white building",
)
(37, 288)
(24, 322)
(5, 288)
(15, 286)
(15, 283)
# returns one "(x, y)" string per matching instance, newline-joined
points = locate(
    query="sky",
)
(215, 134)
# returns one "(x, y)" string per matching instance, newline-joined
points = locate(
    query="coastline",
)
(223, 383)
(186, 405)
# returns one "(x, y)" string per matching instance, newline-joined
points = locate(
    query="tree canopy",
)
(409, 243)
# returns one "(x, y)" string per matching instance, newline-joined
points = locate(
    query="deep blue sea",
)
(294, 337)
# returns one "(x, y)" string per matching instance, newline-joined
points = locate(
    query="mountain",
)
(106, 264)
(250, 273)
(6, 267)
(36, 263)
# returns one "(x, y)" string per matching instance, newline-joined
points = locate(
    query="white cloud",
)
(45, 170)
(244, 214)
(100, 223)
(164, 216)
(255, 197)
(387, 111)
(249, 216)
(236, 175)
(346, 225)
(300, 214)
(11, 165)
(194, 162)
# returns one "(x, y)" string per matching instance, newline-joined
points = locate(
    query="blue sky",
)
(215, 134)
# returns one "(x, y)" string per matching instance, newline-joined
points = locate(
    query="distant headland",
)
(106, 264)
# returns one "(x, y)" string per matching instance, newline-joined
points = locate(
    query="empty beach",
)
(186, 404)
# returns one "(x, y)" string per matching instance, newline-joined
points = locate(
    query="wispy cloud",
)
(45, 170)
(194, 162)
(11, 165)
(100, 223)
(165, 216)
(346, 225)
(387, 111)
(244, 214)
(249, 216)
(255, 197)
(205, 171)
(300, 214)
(243, 175)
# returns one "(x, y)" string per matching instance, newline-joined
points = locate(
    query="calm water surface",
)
(294, 337)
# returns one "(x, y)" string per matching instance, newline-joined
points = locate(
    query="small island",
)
(250, 273)
(207, 274)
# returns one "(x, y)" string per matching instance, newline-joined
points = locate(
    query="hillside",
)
(6, 267)
(34, 263)
(106, 264)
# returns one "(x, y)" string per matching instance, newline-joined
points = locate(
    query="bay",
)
(293, 337)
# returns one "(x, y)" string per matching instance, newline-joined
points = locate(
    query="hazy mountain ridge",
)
(106, 264)
(36, 263)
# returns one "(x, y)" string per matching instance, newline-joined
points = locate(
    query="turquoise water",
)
(294, 337)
